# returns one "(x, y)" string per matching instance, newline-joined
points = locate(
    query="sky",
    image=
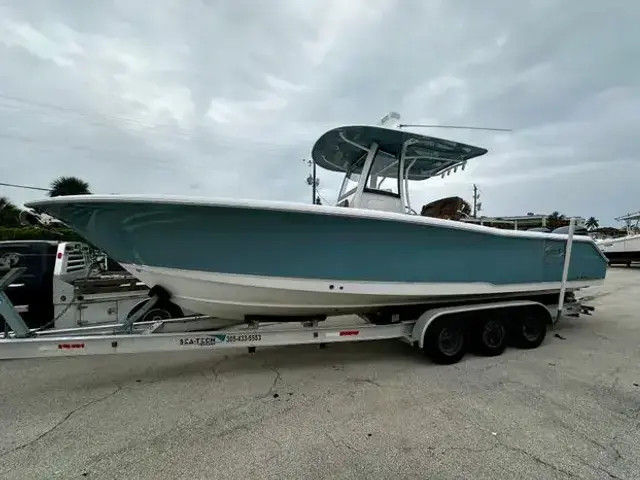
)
(226, 98)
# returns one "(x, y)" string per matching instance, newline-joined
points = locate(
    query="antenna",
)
(403, 125)
(390, 120)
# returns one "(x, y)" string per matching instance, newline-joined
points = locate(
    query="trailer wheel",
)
(445, 341)
(490, 337)
(160, 311)
(379, 318)
(530, 329)
(156, 314)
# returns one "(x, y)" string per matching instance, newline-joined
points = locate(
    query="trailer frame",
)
(198, 333)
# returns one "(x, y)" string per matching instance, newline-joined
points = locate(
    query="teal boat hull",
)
(232, 258)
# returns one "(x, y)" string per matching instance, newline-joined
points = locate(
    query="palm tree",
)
(62, 186)
(465, 208)
(9, 213)
(592, 223)
(555, 220)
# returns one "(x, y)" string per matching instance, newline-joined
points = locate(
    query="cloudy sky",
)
(225, 98)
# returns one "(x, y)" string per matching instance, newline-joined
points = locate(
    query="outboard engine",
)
(29, 218)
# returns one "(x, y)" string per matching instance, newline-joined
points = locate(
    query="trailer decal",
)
(243, 337)
(70, 346)
(207, 341)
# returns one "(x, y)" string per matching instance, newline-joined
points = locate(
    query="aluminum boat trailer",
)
(445, 334)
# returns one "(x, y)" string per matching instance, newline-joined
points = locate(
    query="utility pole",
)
(477, 206)
(313, 181)
(314, 186)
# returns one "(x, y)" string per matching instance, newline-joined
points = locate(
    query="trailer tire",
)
(160, 311)
(530, 330)
(380, 317)
(445, 341)
(489, 336)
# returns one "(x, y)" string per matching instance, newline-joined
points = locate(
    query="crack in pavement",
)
(609, 474)
(535, 458)
(343, 442)
(445, 450)
(60, 422)
(214, 369)
(364, 381)
(180, 426)
(276, 379)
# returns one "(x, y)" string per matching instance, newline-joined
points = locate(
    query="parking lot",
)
(569, 409)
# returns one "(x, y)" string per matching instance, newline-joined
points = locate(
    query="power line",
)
(28, 187)
(198, 133)
(25, 105)
(106, 156)
(84, 113)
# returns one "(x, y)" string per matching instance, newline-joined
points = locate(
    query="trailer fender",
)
(428, 317)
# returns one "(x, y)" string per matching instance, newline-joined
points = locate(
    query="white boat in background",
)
(623, 250)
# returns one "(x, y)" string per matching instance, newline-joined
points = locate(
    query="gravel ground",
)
(570, 409)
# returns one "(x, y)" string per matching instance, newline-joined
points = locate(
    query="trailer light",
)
(349, 333)
(70, 346)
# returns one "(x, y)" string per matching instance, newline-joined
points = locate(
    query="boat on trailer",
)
(442, 285)
(623, 250)
(248, 259)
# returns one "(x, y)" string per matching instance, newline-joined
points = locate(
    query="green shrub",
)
(38, 233)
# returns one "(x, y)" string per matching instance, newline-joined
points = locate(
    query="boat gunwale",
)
(284, 206)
